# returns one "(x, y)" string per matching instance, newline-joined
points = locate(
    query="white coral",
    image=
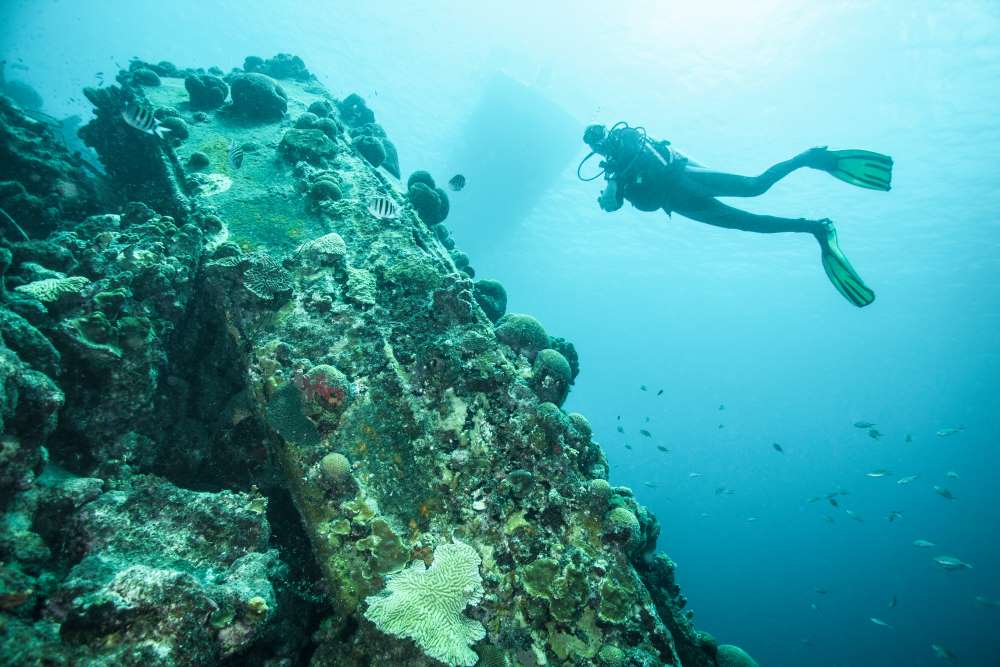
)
(50, 289)
(426, 604)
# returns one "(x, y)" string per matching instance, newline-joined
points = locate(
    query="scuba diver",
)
(652, 175)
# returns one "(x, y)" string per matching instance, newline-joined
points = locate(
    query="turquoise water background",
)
(713, 317)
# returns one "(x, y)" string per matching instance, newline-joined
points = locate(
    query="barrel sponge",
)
(491, 297)
(550, 376)
(426, 605)
(733, 656)
(523, 333)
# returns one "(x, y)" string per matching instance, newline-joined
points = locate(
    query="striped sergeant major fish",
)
(383, 208)
(235, 154)
(143, 120)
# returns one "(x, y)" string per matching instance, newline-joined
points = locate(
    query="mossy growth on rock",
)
(325, 189)
(313, 146)
(206, 92)
(550, 376)
(306, 121)
(370, 149)
(733, 656)
(258, 97)
(321, 108)
(523, 333)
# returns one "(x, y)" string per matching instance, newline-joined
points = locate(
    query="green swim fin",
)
(841, 273)
(864, 169)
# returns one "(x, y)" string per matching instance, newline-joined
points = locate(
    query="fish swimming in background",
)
(235, 154)
(952, 563)
(828, 518)
(892, 602)
(642, 387)
(879, 621)
(693, 475)
(923, 544)
(645, 433)
(722, 407)
(951, 474)
(777, 448)
(662, 448)
(863, 424)
(814, 499)
(383, 208)
(833, 501)
(895, 514)
(945, 432)
(942, 652)
(650, 485)
(628, 446)
(456, 182)
(909, 438)
(855, 516)
(881, 472)
(722, 426)
(944, 493)
(821, 591)
(874, 433)
(143, 120)
(907, 479)
(659, 393)
(647, 420)
(621, 429)
(986, 602)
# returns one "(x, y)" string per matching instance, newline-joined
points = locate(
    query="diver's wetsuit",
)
(651, 175)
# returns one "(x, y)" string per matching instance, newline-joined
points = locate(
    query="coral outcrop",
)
(247, 421)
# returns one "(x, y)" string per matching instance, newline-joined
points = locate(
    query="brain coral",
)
(426, 604)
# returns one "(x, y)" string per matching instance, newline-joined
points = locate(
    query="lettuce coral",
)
(426, 604)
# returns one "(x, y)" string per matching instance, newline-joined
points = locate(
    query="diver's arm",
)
(611, 198)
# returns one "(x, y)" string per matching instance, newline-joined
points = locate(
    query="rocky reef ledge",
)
(257, 410)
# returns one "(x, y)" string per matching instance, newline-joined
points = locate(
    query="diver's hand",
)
(609, 198)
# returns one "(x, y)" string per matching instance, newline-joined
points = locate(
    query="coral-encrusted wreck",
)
(248, 421)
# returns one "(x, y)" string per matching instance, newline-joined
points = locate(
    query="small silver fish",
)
(650, 485)
(693, 475)
(942, 652)
(879, 621)
(143, 120)
(628, 446)
(892, 602)
(235, 154)
(863, 424)
(659, 393)
(383, 208)
(821, 591)
(951, 474)
(751, 519)
(645, 433)
(828, 518)
(923, 544)
(874, 433)
(854, 515)
(907, 479)
(895, 514)
(945, 432)
(662, 449)
(986, 602)
(778, 448)
(944, 493)
(881, 472)
(952, 563)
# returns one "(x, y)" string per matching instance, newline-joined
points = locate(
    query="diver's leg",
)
(720, 184)
(713, 212)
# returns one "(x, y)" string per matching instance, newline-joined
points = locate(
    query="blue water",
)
(713, 317)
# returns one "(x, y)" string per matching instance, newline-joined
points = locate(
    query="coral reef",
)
(246, 422)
